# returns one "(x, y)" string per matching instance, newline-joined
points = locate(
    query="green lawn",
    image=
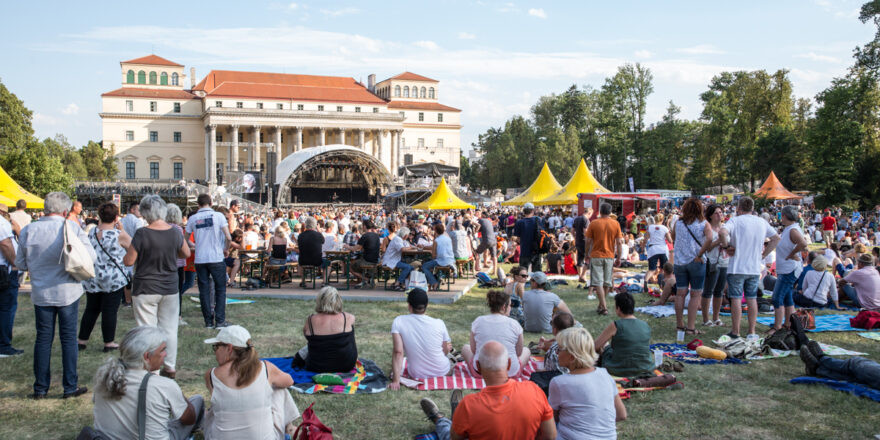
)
(727, 401)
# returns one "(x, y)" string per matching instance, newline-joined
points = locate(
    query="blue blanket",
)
(681, 353)
(824, 323)
(849, 387)
(365, 378)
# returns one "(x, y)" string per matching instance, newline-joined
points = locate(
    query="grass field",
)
(718, 402)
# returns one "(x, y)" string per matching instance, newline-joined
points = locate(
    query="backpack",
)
(782, 339)
(75, 257)
(311, 428)
(543, 239)
(486, 281)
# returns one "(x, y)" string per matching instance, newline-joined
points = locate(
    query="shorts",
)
(486, 246)
(690, 275)
(783, 291)
(581, 248)
(739, 284)
(357, 265)
(601, 272)
(828, 237)
(653, 261)
(230, 262)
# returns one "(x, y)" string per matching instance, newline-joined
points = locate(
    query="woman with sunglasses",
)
(515, 289)
(249, 397)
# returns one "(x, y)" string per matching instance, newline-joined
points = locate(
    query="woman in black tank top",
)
(332, 353)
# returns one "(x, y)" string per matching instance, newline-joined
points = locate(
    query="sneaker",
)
(209, 325)
(11, 352)
(430, 409)
(815, 349)
(800, 336)
(810, 361)
(223, 324)
(591, 297)
(181, 322)
(454, 400)
(75, 393)
(732, 336)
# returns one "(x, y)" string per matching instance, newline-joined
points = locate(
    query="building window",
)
(339, 108)
(421, 117)
(163, 79)
(439, 117)
(218, 137)
(176, 107)
(154, 136)
(129, 135)
(406, 91)
(261, 137)
(439, 143)
(423, 93)
(421, 142)
(407, 159)
(431, 93)
(177, 136)
(259, 105)
(300, 107)
(218, 104)
(320, 108)
(142, 77)
(375, 109)
(397, 91)
(357, 109)
(129, 105)
(240, 136)
(178, 170)
(175, 79)
(154, 170)
(129, 77)
(279, 106)
(129, 170)
(402, 114)
(239, 104)
(153, 106)
(152, 77)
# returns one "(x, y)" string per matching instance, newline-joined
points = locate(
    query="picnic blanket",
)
(828, 349)
(228, 300)
(681, 353)
(824, 323)
(849, 387)
(871, 335)
(662, 311)
(365, 378)
(461, 378)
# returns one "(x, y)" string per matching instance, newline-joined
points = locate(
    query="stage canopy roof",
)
(581, 182)
(773, 189)
(443, 198)
(11, 190)
(545, 185)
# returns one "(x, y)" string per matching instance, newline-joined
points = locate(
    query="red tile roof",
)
(409, 76)
(286, 86)
(153, 59)
(416, 105)
(150, 93)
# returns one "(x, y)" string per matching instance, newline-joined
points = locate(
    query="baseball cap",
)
(529, 205)
(234, 335)
(417, 297)
(538, 277)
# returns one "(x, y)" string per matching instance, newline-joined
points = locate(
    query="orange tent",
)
(773, 189)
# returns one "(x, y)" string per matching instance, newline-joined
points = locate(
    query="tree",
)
(34, 167)
(665, 149)
(15, 120)
(70, 156)
(868, 56)
(101, 165)
(465, 173)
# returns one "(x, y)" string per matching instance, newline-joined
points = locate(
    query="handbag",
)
(807, 318)
(417, 280)
(75, 257)
(311, 427)
(127, 279)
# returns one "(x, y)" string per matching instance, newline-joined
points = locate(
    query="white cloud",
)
(341, 11)
(700, 49)
(430, 45)
(44, 119)
(71, 109)
(466, 36)
(539, 12)
(292, 6)
(508, 7)
(816, 57)
(643, 54)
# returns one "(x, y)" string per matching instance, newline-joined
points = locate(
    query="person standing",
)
(579, 226)
(131, 223)
(743, 237)
(9, 288)
(526, 229)
(74, 213)
(54, 292)
(691, 237)
(212, 238)
(829, 228)
(20, 216)
(603, 237)
(788, 266)
(488, 243)
(656, 237)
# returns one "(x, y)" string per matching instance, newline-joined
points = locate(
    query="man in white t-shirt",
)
(657, 250)
(20, 216)
(329, 238)
(212, 238)
(423, 340)
(743, 238)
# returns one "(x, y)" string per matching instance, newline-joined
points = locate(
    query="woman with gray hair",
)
(330, 334)
(155, 249)
(169, 414)
(788, 267)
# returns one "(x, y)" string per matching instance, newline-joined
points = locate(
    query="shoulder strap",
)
(266, 367)
(311, 330)
(113, 260)
(690, 232)
(142, 407)
(343, 322)
(822, 278)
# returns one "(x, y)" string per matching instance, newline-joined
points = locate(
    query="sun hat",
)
(819, 263)
(866, 259)
(234, 335)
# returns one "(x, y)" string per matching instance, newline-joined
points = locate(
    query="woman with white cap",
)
(249, 397)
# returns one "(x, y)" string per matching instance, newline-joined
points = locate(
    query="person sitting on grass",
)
(331, 344)
(554, 261)
(496, 326)
(559, 323)
(169, 413)
(862, 285)
(249, 397)
(515, 288)
(423, 340)
(668, 283)
(818, 286)
(854, 369)
(629, 353)
(585, 401)
(539, 305)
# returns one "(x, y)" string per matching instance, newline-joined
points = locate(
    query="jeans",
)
(802, 301)
(855, 369)
(690, 275)
(213, 303)
(8, 307)
(45, 323)
(428, 270)
(405, 269)
(105, 304)
(712, 272)
(783, 290)
(850, 292)
(739, 284)
(185, 280)
(441, 431)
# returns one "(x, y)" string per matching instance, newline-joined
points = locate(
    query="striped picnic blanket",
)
(461, 378)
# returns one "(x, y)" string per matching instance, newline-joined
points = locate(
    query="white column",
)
(299, 139)
(233, 161)
(321, 136)
(256, 147)
(397, 151)
(361, 138)
(277, 148)
(212, 155)
(207, 152)
(342, 136)
(375, 138)
(380, 142)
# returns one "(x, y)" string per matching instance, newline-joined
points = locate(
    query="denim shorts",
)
(783, 291)
(653, 261)
(737, 284)
(690, 275)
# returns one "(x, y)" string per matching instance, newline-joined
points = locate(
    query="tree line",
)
(751, 123)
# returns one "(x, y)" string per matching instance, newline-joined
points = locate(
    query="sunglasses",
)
(217, 346)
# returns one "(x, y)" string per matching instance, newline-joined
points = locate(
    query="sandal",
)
(667, 366)
(677, 367)
(693, 331)
(601, 310)
(718, 323)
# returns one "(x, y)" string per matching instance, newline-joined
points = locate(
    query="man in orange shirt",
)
(603, 238)
(504, 410)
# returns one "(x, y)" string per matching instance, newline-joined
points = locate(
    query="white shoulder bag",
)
(75, 257)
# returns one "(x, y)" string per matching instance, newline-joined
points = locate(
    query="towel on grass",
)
(461, 378)
(824, 323)
(681, 353)
(228, 300)
(871, 335)
(849, 387)
(828, 349)
(365, 378)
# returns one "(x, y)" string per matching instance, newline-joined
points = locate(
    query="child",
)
(568, 261)
(559, 323)
(554, 261)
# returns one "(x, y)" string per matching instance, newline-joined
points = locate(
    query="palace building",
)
(319, 138)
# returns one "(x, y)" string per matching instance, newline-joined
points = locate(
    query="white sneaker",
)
(591, 297)
(181, 322)
(708, 324)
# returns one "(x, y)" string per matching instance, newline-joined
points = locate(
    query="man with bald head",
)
(504, 409)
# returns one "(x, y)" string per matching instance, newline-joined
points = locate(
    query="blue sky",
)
(493, 58)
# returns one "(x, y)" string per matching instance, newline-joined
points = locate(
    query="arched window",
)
(423, 92)
(129, 77)
(397, 91)
(163, 79)
(152, 77)
(406, 91)
(175, 79)
(431, 93)
(142, 77)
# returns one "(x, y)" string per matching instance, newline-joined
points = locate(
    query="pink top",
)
(867, 284)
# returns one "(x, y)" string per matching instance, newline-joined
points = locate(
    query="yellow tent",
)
(443, 198)
(7, 201)
(581, 182)
(10, 189)
(545, 185)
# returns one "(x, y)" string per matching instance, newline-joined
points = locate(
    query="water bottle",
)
(679, 336)
(658, 357)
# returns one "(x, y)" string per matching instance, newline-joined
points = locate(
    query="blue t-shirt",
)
(525, 229)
